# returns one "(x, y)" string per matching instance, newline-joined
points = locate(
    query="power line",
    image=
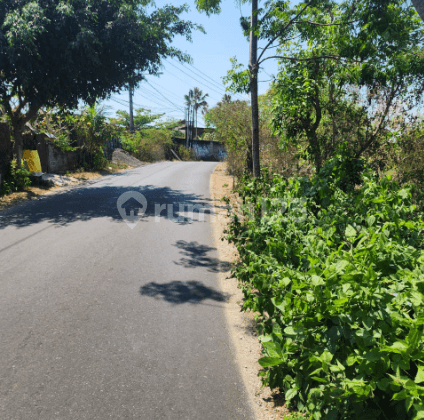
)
(152, 94)
(188, 84)
(216, 84)
(157, 102)
(191, 77)
(219, 85)
(181, 109)
(171, 93)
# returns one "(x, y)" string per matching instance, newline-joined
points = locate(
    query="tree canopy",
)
(142, 118)
(59, 53)
(361, 66)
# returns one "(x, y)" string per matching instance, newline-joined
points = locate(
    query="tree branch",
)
(324, 24)
(330, 56)
(282, 30)
(374, 135)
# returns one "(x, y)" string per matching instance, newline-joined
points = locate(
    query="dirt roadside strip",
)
(266, 404)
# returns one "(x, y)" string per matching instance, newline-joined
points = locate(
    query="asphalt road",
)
(99, 321)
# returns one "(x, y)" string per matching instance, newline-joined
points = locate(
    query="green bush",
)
(337, 276)
(15, 180)
(184, 153)
(149, 145)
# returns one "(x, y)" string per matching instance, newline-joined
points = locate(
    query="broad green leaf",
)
(341, 265)
(413, 339)
(290, 394)
(351, 359)
(419, 412)
(396, 347)
(350, 232)
(371, 220)
(340, 302)
(420, 319)
(326, 357)
(317, 281)
(420, 375)
(270, 361)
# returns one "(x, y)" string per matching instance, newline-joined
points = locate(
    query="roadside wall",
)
(205, 150)
(53, 159)
(209, 150)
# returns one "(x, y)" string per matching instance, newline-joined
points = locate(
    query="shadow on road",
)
(195, 255)
(179, 292)
(90, 202)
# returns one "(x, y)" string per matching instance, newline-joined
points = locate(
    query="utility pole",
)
(253, 75)
(131, 109)
(186, 126)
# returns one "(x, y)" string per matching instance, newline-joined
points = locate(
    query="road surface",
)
(99, 320)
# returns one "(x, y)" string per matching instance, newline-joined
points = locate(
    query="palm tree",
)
(419, 7)
(189, 102)
(199, 102)
(226, 99)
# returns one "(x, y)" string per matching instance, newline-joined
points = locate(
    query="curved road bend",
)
(101, 321)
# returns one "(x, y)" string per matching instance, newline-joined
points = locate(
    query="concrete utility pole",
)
(253, 75)
(131, 109)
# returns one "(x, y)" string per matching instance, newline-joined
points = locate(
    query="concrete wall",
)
(209, 150)
(53, 159)
(58, 161)
(205, 150)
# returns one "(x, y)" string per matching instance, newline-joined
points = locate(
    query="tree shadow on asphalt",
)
(180, 292)
(195, 255)
(91, 202)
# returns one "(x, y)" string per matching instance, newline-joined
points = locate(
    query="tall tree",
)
(189, 103)
(355, 85)
(270, 23)
(57, 53)
(199, 102)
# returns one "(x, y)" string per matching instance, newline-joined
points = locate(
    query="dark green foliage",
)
(337, 276)
(16, 179)
(58, 53)
(55, 53)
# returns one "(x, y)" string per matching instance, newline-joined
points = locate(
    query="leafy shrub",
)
(15, 180)
(295, 416)
(184, 153)
(338, 280)
(99, 160)
(149, 145)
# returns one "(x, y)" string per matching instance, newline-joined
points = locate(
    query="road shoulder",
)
(266, 405)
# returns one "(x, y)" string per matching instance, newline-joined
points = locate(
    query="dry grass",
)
(112, 168)
(30, 193)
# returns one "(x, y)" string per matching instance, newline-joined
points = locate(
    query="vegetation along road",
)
(100, 320)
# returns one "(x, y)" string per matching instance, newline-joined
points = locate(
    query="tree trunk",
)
(249, 161)
(19, 144)
(419, 7)
(253, 67)
(6, 151)
(18, 121)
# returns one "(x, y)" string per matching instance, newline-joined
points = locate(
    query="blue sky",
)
(211, 53)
